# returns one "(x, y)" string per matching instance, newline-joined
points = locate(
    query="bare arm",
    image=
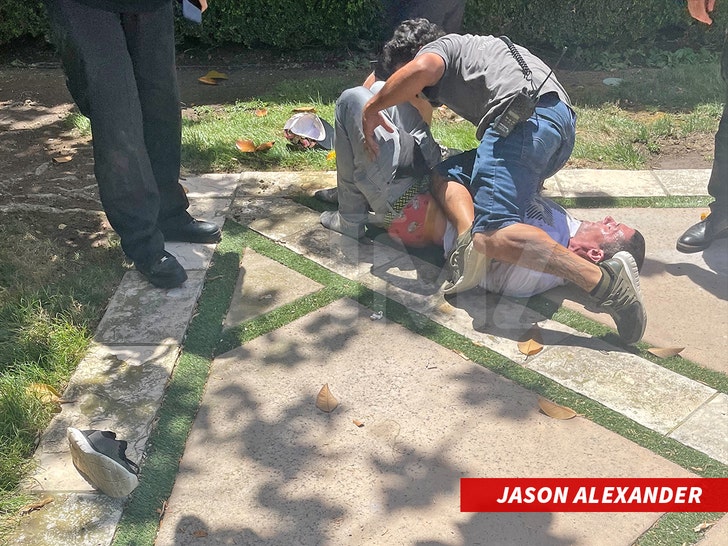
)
(403, 86)
(203, 5)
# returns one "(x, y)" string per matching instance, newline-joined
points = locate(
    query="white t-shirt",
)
(517, 281)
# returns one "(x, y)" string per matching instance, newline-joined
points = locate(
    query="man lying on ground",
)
(477, 77)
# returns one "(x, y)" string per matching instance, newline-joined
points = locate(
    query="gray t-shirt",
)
(481, 75)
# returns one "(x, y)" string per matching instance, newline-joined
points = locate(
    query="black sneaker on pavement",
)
(101, 459)
(466, 266)
(163, 271)
(618, 293)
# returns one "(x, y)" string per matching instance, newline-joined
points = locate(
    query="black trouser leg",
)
(718, 184)
(99, 50)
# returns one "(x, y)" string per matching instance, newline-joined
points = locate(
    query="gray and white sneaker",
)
(618, 293)
(329, 195)
(466, 266)
(331, 219)
(101, 460)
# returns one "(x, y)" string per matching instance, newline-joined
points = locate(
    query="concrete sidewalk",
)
(263, 466)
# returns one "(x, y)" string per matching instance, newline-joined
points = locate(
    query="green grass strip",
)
(677, 528)
(651, 202)
(140, 521)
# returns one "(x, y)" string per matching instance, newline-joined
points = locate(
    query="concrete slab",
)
(647, 393)
(191, 256)
(717, 535)
(278, 218)
(605, 183)
(290, 474)
(686, 295)
(71, 520)
(268, 183)
(114, 388)
(263, 285)
(684, 181)
(142, 314)
(210, 185)
(707, 429)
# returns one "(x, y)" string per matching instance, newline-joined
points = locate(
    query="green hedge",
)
(292, 24)
(577, 23)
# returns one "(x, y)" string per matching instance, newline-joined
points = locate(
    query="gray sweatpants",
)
(373, 185)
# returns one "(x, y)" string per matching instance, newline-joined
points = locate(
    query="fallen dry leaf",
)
(32, 507)
(703, 526)
(200, 533)
(304, 109)
(665, 352)
(555, 410)
(62, 159)
(215, 75)
(44, 393)
(207, 81)
(248, 146)
(358, 423)
(261, 112)
(533, 343)
(325, 401)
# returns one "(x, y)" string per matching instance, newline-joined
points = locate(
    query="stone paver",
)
(707, 429)
(289, 473)
(263, 285)
(605, 183)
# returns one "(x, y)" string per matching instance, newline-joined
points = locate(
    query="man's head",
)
(407, 40)
(599, 241)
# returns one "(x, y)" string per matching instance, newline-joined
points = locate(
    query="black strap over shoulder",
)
(517, 56)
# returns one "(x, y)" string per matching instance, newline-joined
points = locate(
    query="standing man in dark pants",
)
(119, 60)
(715, 226)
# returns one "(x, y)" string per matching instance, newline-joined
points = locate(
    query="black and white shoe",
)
(101, 459)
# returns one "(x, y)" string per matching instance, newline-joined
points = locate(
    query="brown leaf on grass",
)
(207, 81)
(261, 112)
(555, 410)
(299, 109)
(44, 393)
(248, 146)
(532, 344)
(215, 75)
(325, 401)
(33, 506)
(665, 352)
(704, 526)
(62, 159)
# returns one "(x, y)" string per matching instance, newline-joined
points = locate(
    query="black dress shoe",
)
(191, 231)
(163, 271)
(701, 235)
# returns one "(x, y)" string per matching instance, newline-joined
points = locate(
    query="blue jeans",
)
(503, 174)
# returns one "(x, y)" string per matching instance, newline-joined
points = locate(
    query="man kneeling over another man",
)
(490, 195)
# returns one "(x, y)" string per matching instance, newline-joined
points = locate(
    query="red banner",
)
(594, 494)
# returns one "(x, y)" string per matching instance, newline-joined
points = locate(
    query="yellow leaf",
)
(325, 401)
(207, 81)
(215, 75)
(62, 159)
(704, 215)
(554, 410)
(304, 109)
(331, 155)
(44, 393)
(665, 352)
(532, 344)
(261, 112)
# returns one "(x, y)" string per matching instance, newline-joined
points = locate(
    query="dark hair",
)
(406, 41)
(635, 246)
